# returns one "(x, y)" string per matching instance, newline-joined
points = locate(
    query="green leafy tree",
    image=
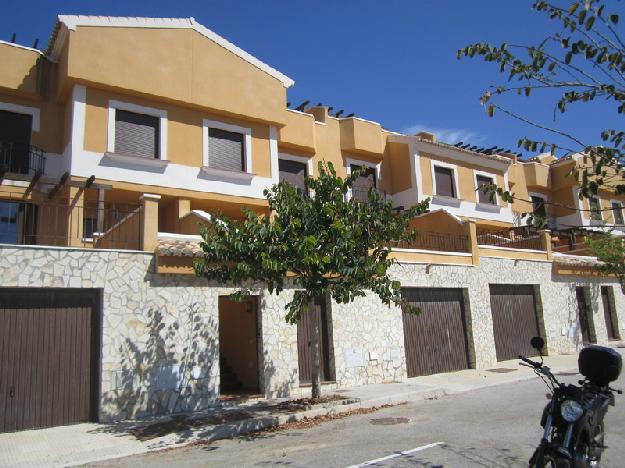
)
(322, 245)
(581, 59)
(610, 250)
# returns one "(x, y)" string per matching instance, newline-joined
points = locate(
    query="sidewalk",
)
(83, 443)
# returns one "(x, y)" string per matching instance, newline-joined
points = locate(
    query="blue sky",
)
(393, 62)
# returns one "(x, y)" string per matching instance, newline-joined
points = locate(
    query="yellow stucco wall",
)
(176, 64)
(184, 130)
(397, 156)
(19, 70)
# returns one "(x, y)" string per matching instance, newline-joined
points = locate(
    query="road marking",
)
(398, 454)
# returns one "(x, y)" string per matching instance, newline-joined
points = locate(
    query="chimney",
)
(319, 112)
(427, 136)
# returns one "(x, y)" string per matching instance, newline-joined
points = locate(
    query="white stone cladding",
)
(160, 343)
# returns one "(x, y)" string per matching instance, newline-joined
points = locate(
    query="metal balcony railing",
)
(524, 238)
(439, 242)
(20, 158)
(60, 222)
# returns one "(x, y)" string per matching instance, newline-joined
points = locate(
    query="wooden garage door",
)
(48, 357)
(514, 320)
(435, 340)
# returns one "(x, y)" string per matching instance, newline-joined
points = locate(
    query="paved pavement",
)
(71, 445)
(489, 427)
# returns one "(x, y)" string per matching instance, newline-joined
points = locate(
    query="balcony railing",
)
(20, 158)
(524, 238)
(60, 222)
(440, 242)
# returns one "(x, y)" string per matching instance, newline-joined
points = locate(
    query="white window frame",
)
(358, 162)
(32, 111)
(130, 107)
(454, 170)
(493, 178)
(621, 204)
(247, 141)
(300, 159)
(600, 213)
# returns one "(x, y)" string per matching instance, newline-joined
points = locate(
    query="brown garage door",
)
(514, 320)
(48, 357)
(435, 340)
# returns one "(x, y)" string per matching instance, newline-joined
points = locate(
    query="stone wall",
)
(160, 343)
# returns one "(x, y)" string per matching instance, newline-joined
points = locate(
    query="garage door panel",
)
(48, 357)
(435, 339)
(514, 320)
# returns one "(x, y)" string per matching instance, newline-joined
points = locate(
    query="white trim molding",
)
(247, 141)
(73, 21)
(454, 168)
(349, 161)
(620, 203)
(130, 107)
(493, 178)
(32, 111)
(300, 159)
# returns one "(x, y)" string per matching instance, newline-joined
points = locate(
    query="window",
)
(18, 223)
(538, 206)
(444, 180)
(15, 130)
(293, 172)
(485, 197)
(136, 134)
(89, 226)
(360, 189)
(226, 150)
(617, 211)
(595, 208)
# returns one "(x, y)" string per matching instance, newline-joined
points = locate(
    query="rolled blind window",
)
(444, 182)
(293, 172)
(225, 150)
(360, 189)
(136, 134)
(481, 196)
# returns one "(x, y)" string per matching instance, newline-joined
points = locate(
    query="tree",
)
(582, 59)
(321, 244)
(610, 250)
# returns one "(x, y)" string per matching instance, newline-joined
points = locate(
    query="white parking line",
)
(398, 454)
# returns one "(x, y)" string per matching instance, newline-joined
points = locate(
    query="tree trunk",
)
(315, 349)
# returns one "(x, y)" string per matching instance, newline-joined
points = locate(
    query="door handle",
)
(12, 392)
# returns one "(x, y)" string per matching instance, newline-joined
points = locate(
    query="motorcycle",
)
(573, 435)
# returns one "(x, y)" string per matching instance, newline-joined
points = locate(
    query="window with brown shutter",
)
(360, 189)
(444, 178)
(481, 196)
(617, 210)
(293, 172)
(226, 150)
(136, 134)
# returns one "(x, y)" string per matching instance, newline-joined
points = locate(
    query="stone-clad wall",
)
(149, 364)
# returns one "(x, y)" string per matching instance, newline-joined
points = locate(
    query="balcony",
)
(64, 223)
(520, 238)
(361, 137)
(439, 242)
(22, 159)
(536, 175)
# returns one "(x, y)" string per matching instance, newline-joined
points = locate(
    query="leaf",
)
(568, 57)
(491, 110)
(614, 19)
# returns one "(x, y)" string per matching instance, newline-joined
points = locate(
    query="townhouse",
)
(121, 138)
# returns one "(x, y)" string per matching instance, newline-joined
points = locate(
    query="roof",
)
(176, 245)
(73, 21)
(576, 260)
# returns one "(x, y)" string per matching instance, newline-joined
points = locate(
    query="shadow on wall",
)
(171, 372)
(592, 297)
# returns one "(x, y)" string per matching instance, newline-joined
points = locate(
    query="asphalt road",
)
(492, 427)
